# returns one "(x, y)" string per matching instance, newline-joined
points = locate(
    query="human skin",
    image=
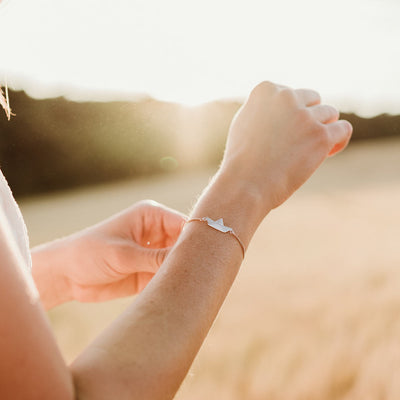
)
(112, 259)
(276, 141)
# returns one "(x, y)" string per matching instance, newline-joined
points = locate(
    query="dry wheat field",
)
(315, 311)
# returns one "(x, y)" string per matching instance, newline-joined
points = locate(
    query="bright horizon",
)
(195, 52)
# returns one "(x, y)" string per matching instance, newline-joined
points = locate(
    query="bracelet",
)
(219, 226)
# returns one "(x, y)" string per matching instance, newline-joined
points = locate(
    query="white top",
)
(12, 224)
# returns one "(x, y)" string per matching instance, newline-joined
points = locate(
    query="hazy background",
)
(117, 101)
(191, 52)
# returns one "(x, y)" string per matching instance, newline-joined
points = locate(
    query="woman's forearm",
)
(147, 352)
(276, 141)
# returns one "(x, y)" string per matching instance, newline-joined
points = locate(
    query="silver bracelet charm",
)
(219, 226)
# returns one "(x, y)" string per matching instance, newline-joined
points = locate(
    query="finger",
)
(149, 260)
(173, 224)
(159, 226)
(308, 97)
(170, 218)
(281, 87)
(173, 219)
(340, 134)
(132, 257)
(324, 113)
(160, 256)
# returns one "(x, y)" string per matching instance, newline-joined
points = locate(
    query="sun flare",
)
(194, 52)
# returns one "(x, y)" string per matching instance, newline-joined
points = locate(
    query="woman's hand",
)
(115, 258)
(278, 139)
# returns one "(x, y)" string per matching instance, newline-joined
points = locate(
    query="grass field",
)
(315, 311)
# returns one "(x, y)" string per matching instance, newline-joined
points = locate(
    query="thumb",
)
(151, 259)
(160, 255)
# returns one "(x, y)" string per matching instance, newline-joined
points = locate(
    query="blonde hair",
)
(4, 101)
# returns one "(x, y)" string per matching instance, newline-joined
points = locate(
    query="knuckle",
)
(317, 131)
(160, 257)
(148, 203)
(317, 96)
(322, 136)
(335, 112)
(266, 85)
(263, 88)
(304, 117)
(349, 129)
(332, 114)
(288, 97)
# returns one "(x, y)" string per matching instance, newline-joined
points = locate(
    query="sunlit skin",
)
(276, 141)
(115, 258)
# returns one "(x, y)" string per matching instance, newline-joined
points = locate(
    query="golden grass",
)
(315, 311)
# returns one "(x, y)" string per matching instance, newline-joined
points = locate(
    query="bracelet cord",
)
(219, 226)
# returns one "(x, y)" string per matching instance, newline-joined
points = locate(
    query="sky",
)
(196, 51)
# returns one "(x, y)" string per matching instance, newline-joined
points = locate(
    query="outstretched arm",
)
(276, 142)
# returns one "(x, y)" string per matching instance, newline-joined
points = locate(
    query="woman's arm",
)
(146, 353)
(275, 143)
(31, 366)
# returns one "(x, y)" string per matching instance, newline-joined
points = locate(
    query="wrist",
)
(242, 190)
(237, 201)
(47, 271)
(252, 179)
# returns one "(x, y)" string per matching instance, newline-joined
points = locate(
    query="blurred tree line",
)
(54, 144)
